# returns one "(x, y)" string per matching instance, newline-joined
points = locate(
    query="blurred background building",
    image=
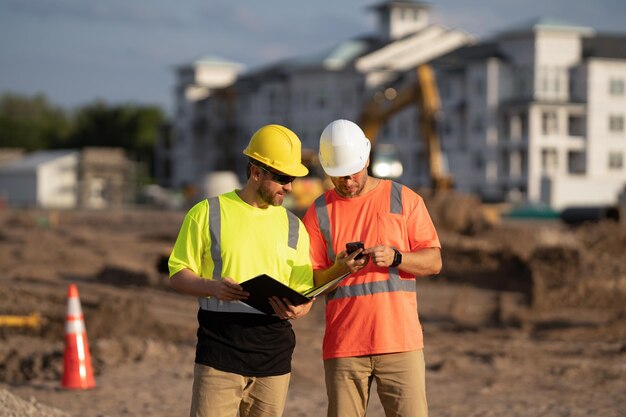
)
(92, 178)
(535, 114)
(217, 115)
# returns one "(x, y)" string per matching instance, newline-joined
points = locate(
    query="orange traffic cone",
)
(77, 371)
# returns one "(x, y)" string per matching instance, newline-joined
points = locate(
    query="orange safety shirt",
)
(373, 311)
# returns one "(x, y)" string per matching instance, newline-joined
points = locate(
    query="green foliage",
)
(130, 127)
(31, 123)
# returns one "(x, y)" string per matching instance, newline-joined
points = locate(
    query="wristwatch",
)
(397, 258)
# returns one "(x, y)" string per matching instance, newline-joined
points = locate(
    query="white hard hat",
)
(344, 149)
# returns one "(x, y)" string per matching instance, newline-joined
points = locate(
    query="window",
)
(616, 123)
(516, 127)
(549, 160)
(576, 162)
(549, 123)
(575, 125)
(616, 161)
(616, 87)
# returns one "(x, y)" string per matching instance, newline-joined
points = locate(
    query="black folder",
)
(262, 287)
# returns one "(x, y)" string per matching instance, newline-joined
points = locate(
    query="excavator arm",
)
(422, 93)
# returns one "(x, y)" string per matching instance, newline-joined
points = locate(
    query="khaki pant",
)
(222, 394)
(400, 380)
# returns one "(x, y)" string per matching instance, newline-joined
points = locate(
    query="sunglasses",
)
(282, 179)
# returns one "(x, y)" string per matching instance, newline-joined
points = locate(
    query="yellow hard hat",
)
(278, 148)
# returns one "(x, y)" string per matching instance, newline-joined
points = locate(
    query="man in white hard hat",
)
(372, 324)
(243, 356)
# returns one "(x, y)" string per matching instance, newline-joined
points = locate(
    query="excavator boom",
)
(422, 93)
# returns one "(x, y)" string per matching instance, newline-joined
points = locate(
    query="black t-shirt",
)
(244, 343)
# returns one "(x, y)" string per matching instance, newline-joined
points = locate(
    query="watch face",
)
(397, 257)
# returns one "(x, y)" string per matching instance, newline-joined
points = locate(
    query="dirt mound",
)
(456, 212)
(12, 406)
(536, 302)
(121, 328)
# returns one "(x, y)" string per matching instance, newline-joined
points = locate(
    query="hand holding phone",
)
(352, 246)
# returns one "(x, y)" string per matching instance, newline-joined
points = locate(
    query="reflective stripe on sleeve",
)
(395, 199)
(323, 221)
(215, 229)
(294, 230)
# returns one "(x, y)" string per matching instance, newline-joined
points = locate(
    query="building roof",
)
(464, 54)
(36, 159)
(546, 23)
(337, 57)
(390, 3)
(605, 46)
(213, 60)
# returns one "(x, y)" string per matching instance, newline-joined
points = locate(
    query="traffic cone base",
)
(77, 370)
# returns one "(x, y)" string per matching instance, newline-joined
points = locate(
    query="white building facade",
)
(46, 179)
(537, 115)
(305, 94)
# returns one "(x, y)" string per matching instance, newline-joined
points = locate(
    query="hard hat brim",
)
(345, 170)
(297, 170)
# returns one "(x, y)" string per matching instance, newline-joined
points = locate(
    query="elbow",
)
(437, 266)
(175, 281)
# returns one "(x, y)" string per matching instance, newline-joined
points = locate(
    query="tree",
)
(31, 123)
(131, 127)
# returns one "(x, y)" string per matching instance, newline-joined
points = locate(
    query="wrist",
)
(397, 258)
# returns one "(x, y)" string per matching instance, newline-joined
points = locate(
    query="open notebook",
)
(262, 287)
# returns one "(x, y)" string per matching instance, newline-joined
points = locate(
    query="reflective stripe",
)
(394, 283)
(294, 229)
(395, 199)
(323, 221)
(213, 304)
(73, 307)
(215, 229)
(74, 326)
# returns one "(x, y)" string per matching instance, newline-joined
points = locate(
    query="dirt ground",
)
(527, 319)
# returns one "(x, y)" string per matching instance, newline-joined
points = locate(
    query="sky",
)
(126, 51)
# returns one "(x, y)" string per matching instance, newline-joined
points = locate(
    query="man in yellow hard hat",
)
(372, 326)
(243, 356)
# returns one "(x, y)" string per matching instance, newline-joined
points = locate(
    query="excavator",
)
(423, 93)
(375, 112)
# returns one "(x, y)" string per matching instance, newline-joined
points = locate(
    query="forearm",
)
(322, 276)
(187, 282)
(422, 263)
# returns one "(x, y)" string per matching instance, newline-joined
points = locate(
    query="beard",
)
(348, 191)
(270, 197)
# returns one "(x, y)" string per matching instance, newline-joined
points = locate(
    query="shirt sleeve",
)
(421, 231)
(191, 242)
(318, 250)
(301, 278)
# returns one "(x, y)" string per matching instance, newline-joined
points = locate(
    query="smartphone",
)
(352, 246)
